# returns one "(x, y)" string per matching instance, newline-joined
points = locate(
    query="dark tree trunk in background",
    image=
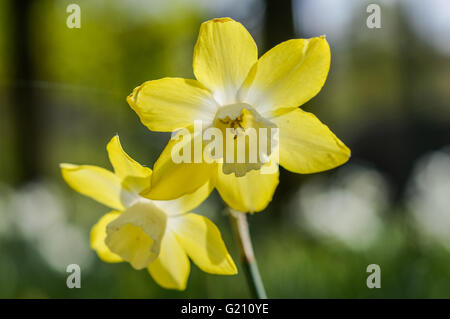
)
(24, 109)
(279, 23)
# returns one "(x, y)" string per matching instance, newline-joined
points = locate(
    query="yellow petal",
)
(172, 180)
(98, 236)
(171, 269)
(133, 175)
(95, 182)
(187, 202)
(307, 145)
(223, 56)
(137, 233)
(203, 243)
(287, 76)
(250, 193)
(169, 104)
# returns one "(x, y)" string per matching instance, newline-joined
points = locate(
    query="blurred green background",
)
(62, 97)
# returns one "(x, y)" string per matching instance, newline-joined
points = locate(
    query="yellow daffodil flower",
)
(236, 89)
(153, 234)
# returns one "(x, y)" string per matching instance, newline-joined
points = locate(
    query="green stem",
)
(242, 234)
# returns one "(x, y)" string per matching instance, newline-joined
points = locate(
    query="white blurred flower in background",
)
(38, 216)
(345, 209)
(34, 209)
(428, 196)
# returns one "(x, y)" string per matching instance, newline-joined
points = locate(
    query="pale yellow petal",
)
(95, 182)
(169, 104)
(287, 76)
(133, 175)
(137, 233)
(250, 193)
(307, 145)
(203, 243)
(187, 202)
(98, 236)
(171, 269)
(172, 179)
(223, 56)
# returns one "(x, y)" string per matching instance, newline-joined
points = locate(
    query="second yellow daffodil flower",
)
(153, 234)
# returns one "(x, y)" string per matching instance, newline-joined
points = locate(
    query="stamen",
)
(248, 150)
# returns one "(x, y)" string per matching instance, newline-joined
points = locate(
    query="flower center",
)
(248, 138)
(137, 233)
